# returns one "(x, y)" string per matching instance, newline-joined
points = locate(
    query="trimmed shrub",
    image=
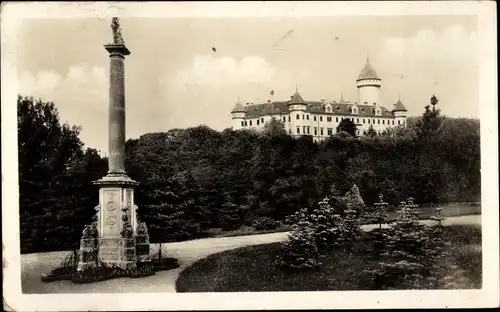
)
(265, 223)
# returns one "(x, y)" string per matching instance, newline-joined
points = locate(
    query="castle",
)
(320, 119)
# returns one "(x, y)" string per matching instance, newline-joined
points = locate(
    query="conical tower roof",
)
(399, 106)
(238, 108)
(368, 72)
(297, 98)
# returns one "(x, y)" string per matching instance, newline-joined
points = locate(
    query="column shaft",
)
(117, 115)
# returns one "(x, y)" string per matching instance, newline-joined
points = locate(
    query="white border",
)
(487, 297)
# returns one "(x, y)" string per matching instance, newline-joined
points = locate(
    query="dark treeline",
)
(198, 178)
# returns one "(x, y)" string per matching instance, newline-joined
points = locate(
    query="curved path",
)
(187, 252)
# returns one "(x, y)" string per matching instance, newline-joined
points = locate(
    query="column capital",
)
(117, 49)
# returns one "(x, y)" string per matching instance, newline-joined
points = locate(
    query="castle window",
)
(298, 117)
(355, 110)
(368, 120)
(289, 118)
(383, 121)
(378, 121)
(245, 123)
(284, 119)
(364, 132)
(336, 119)
(363, 120)
(242, 123)
(357, 120)
(321, 131)
(329, 119)
(399, 122)
(302, 116)
(262, 120)
(373, 121)
(304, 129)
(308, 130)
(320, 118)
(298, 129)
(315, 131)
(393, 122)
(330, 131)
(257, 122)
(314, 117)
(404, 121)
(250, 122)
(307, 117)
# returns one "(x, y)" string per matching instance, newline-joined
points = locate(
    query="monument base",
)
(116, 238)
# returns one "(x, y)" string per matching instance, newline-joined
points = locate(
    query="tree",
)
(354, 200)
(371, 132)
(300, 250)
(274, 127)
(346, 125)
(406, 262)
(56, 196)
(429, 125)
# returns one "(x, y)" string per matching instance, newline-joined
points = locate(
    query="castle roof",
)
(368, 72)
(316, 107)
(399, 106)
(297, 98)
(238, 108)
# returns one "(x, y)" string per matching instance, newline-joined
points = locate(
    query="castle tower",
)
(368, 84)
(400, 113)
(238, 115)
(297, 107)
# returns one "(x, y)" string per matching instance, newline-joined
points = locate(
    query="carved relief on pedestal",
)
(110, 215)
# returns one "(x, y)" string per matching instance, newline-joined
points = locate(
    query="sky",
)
(174, 79)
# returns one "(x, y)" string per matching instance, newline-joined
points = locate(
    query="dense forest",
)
(195, 179)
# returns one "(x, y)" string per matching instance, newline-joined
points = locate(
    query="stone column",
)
(115, 230)
(117, 53)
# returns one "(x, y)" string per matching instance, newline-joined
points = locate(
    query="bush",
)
(409, 256)
(300, 251)
(265, 223)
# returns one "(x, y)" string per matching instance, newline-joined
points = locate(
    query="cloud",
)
(209, 86)
(223, 72)
(81, 78)
(453, 46)
(432, 62)
(80, 96)
(43, 81)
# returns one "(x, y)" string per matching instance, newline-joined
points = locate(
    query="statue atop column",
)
(117, 31)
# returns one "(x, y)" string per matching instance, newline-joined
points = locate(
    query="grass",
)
(253, 269)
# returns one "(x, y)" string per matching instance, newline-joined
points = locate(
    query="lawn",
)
(253, 269)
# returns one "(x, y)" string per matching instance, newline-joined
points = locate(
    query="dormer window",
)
(354, 110)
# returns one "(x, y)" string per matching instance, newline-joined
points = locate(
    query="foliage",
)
(348, 126)
(196, 179)
(411, 255)
(300, 250)
(265, 223)
(371, 132)
(56, 195)
(354, 200)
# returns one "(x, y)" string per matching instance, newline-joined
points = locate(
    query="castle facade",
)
(320, 119)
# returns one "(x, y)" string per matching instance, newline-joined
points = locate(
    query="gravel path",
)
(33, 265)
